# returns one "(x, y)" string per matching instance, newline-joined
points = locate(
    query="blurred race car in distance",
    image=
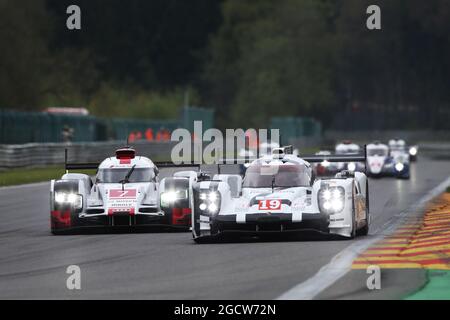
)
(325, 168)
(279, 195)
(381, 164)
(125, 193)
(400, 157)
(347, 147)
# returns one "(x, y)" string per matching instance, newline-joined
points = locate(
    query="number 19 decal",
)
(269, 204)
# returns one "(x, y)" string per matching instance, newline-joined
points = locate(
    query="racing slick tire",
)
(354, 225)
(364, 231)
(202, 240)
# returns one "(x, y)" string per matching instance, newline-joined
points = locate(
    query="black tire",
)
(57, 232)
(62, 232)
(354, 225)
(201, 240)
(364, 231)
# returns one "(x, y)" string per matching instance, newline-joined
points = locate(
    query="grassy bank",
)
(30, 175)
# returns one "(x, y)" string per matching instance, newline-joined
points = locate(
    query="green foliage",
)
(317, 58)
(263, 59)
(138, 103)
(279, 57)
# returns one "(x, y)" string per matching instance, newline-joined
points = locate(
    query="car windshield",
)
(377, 152)
(347, 150)
(116, 175)
(285, 176)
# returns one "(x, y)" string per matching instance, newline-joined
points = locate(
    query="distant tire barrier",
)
(42, 127)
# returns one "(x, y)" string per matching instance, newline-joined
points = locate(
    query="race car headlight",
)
(413, 151)
(72, 199)
(331, 200)
(351, 166)
(399, 166)
(169, 197)
(209, 202)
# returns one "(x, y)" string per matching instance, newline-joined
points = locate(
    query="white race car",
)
(126, 192)
(400, 156)
(280, 195)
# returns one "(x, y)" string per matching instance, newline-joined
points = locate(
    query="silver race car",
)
(279, 194)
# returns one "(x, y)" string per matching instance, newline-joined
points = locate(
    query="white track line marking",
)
(341, 263)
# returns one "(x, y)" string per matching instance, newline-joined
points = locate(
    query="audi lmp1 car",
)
(279, 194)
(380, 163)
(126, 192)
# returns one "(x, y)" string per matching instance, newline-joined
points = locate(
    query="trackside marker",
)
(341, 263)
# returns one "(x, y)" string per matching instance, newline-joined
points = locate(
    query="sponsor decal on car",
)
(122, 201)
(122, 194)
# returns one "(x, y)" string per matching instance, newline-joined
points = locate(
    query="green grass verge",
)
(436, 288)
(30, 175)
(448, 189)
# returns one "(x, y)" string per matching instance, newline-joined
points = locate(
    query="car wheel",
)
(201, 240)
(354, 225)
(364, 231)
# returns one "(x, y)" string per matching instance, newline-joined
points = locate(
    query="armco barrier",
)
(45, 154)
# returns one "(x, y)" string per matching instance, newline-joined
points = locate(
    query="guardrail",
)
(436, 150)
(44, 154)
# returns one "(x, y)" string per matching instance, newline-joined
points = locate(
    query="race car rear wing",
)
(361, 158)
(335, 158)
(94, 165)
(78, 166)
(338, 158)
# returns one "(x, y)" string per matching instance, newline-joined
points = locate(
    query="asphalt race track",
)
(170, 266)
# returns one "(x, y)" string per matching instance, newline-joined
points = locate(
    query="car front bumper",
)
(270, 223)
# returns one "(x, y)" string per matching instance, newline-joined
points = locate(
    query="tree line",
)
(250, 60)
